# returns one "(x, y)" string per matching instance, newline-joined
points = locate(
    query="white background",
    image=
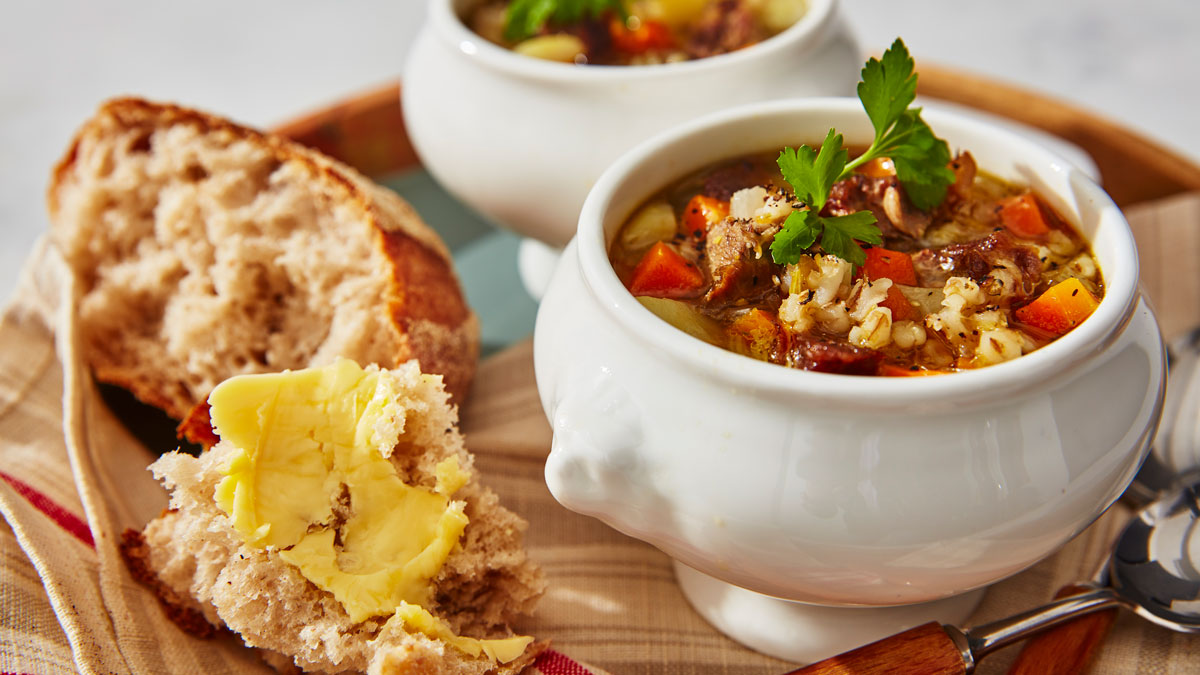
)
(262, 62)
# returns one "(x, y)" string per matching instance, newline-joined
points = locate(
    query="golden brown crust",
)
(434, 322)
(430, 311)
(197, 427)
(136, 554)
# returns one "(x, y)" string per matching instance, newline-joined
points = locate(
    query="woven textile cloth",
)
(72, 477)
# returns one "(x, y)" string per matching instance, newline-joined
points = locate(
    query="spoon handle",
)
(1066, 649)
(928, 649)
(987, 638)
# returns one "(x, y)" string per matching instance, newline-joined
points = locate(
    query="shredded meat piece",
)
(723, 26)
(901, 222)
(976, 259)
(739, 261)
(835, 357)
(963, 166)
(597, 40)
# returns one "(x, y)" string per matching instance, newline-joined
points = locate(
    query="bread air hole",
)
(195, 173)
(140, 143)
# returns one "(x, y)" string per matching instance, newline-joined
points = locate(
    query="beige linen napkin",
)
(72, 478)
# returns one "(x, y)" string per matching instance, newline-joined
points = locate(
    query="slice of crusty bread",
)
(202, 570)
(206, 249)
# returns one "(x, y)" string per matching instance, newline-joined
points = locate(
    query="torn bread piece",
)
(339, 523)
(205, 249)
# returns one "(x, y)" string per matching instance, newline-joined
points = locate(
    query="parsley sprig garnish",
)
(526, 17)
(887, 88)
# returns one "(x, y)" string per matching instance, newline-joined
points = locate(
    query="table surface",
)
(262, 63)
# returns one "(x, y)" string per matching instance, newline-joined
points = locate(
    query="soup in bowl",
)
(987, 274)
(632, 32)
(522, 139)
(835, 488)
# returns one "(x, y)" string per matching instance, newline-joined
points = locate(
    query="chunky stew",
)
(990, 273)
(631, 32)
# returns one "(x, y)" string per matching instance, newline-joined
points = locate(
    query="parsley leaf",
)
(525, 18)
(810, 173)
(841, 233)
(888, 87)
(800, 231)
(921, 160)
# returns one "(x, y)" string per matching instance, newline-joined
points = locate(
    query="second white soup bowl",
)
(522, 140)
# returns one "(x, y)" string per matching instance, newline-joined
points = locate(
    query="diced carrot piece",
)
(880, 167)
(703, 212)
(1062, 307)
(756, 334)
(664, 273)
(1022, 216)
(893, 370)
(649, 35)
(895, 265)
(901, 308)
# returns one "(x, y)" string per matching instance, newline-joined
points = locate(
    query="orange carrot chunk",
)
(756, 334)
(649, 35)
(895, 265)
(703, 212)
(664, 273)
(880, 167)
(902, 309)
(1062, 307)
(1022, 216)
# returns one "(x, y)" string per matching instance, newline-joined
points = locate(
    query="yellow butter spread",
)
(416, 619)
(311, 478)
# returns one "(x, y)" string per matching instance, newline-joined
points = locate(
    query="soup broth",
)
(651, 32)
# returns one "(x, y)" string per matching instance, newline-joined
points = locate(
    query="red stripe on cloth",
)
(65, 519)
(551, 662)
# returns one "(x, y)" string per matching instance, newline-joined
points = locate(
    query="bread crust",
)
(180, 611)
(425, 305)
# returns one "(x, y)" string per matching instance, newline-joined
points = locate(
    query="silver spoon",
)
(1154, 570)
(1176, 446)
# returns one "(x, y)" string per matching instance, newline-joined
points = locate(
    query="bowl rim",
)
(1061, 358)
(451, 28)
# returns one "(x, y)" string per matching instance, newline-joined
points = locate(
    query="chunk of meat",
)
(723, 26)
(977, 259)
(963, 166)
(835, 357)
(596, 37)
(739, 261)
(900, 222)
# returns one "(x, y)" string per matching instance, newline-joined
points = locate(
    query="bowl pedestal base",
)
(536, 262)
(804, 633)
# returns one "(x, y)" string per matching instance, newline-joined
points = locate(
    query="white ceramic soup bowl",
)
(522, 140)
(839, 489)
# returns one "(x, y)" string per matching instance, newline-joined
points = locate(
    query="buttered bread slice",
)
(338, 523)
